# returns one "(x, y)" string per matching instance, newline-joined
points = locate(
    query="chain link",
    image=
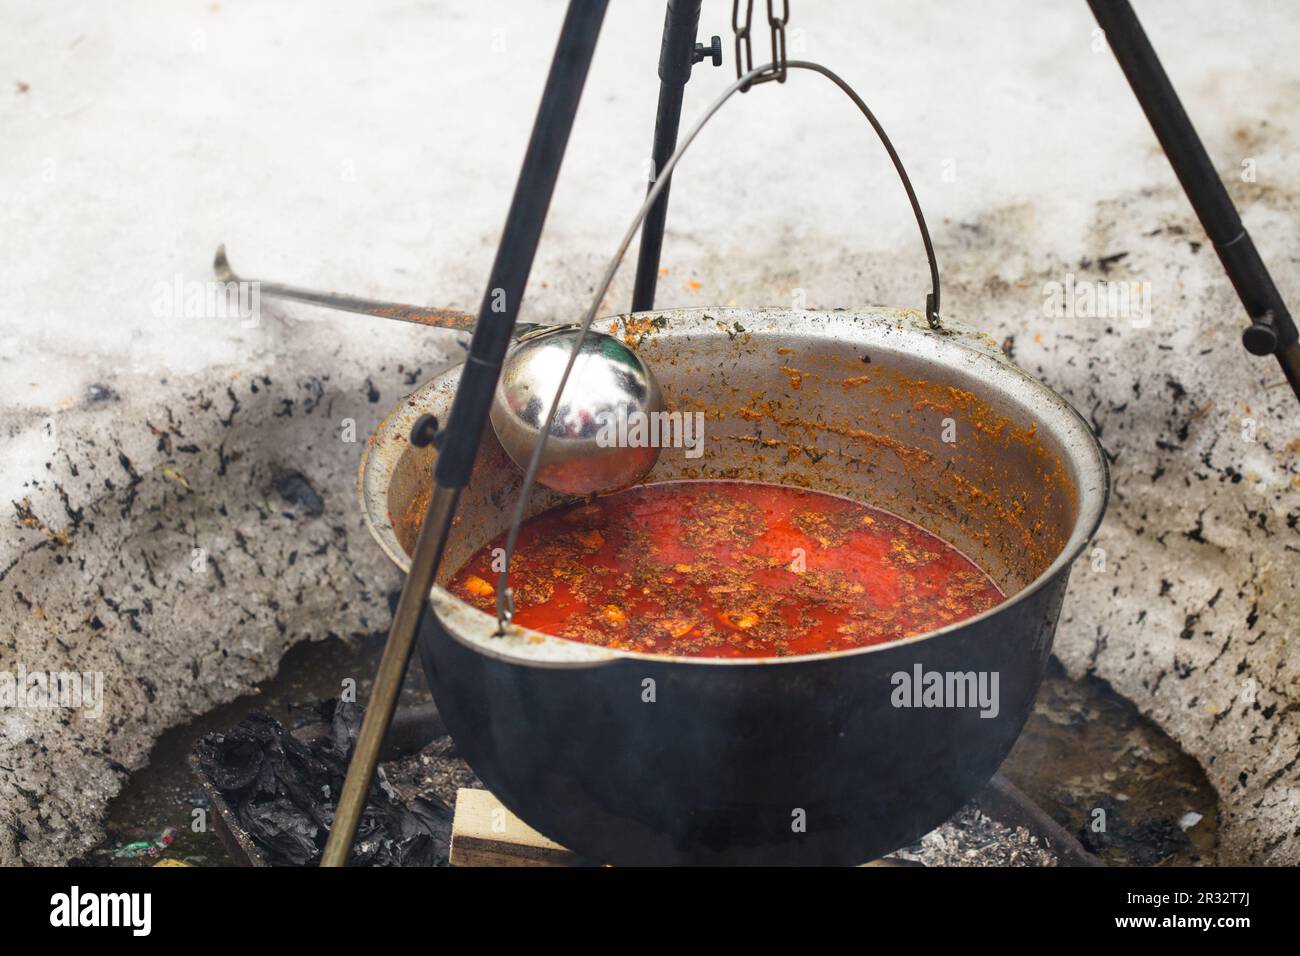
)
(745, 45)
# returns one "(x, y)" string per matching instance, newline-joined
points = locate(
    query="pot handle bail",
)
(505, 607)
(931, 297)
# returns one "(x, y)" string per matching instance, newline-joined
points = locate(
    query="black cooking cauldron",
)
(631, 758)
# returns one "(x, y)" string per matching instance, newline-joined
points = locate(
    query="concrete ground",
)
(179, 482)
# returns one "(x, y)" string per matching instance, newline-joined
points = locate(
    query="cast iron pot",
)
(631, 758)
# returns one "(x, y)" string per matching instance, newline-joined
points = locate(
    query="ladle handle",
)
(419, 314)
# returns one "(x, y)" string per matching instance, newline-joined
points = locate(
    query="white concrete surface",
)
(373, 147)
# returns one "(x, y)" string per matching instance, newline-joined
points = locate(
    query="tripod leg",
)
(469, 410)
(676, 56)
(1272, 331)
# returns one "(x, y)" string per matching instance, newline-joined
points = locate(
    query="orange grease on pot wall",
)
(992, 503)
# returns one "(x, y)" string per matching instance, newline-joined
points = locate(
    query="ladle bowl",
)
(611, 387)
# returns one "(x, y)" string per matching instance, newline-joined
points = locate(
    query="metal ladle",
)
(610, 384)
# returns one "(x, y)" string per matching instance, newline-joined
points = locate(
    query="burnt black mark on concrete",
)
(223, 459)
(294, 488)
(216, 570)
(1107, 261)
(128, 501)
(234, 407)
(242, 543)
(315, 389)
(128, 614)
(75, 515)
(1197, 533)
(98, 392)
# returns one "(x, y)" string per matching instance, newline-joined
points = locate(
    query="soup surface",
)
(729, 569)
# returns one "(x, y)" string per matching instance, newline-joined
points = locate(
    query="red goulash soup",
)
(729, 569)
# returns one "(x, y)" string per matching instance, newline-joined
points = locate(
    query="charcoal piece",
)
(283, 792)
(1140, 843)
(286, 833)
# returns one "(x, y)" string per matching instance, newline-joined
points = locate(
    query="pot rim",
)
(524, 646)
